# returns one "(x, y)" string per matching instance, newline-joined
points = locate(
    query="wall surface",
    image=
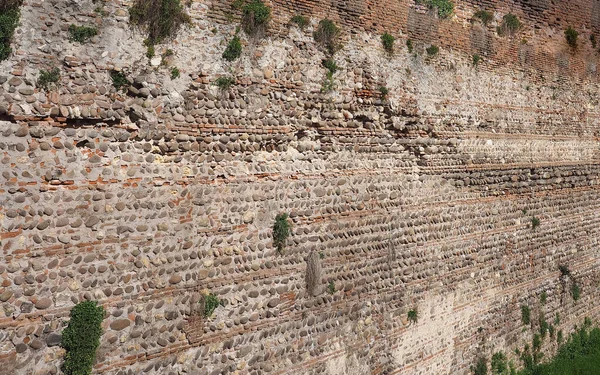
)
(145, 200)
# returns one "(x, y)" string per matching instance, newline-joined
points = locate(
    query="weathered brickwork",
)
(148, 198)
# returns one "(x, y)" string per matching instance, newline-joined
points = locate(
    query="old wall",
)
(146, 199)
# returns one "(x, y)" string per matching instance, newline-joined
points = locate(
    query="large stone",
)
(120, 324)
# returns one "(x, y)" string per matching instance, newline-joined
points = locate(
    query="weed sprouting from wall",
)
(160, 19)
(281, 231)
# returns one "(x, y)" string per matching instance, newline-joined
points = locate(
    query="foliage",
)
(175, 73)
(327, 35)
(525, 314)
(484, 16)
(444, 7)
(255, 16)
(321, 255)
(593, 40)
(81, 338)
(535, 222)
(571, 36)
(328, 83)
(281, 231)
(537, 342)
(224, 83)
(233, 50)
(413, 315)
(384, 91)
(543, 297)
(409, 45)
(330, 65)
(160, 19)
(476, 59)
(575, 292)
(509, 26)
(387, 40)
(480, 367)
(331, 287)
(119, 80)
(82, 34)
(432, 50)
(300, 21)
(564, 270)
(9, 20)
(150, 52)
(543, 326)
(211, 302)
(48, 77)
(499, 364)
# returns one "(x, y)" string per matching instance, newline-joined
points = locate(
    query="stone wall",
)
(146, 199)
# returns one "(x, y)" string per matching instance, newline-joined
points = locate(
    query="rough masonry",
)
(147, 198)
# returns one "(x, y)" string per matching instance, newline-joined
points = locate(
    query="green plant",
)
(551, 330)
(559, 336)
(444, 7)
(412, 315)
(48, 77)
(224, 83)
(409, 45)
(484, 16)
(255, 17)
(536, 343)
(150, 52)
(564, 270)
(575, 291)
(233, 50)
(571, 36)
(387, 40)
(383, 91)
(543, 326)
(211, 302)
(119, 80)
(432, 50)
(101, 11)
(525, 314)
(327, 35)
(593, 40)
(82, 34)
(543, 297)
(175, 73)
(480, 367)
(9, 20)
(330, 65)
(321, 255)
(160, 19)
(476, 59)
(328, 83)
(300, 21)
(168, 52)
(535, 222)
(557, 319)
(331, 287)
(499, 364)
(281, 231)
(509, 26)
(81, 338)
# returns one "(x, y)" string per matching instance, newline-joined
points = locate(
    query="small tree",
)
(81, 338)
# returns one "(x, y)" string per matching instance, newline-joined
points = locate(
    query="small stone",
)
(43, 303)
(53, 339)
(120, 324)
(175, 279)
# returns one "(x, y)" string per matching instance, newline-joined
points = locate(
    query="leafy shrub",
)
(480, 367)
(432, 50)
(48, 77)
(233, 50)
(571, 36)
(331, 287)
(175, 72)
(300, 21)
(330, 65)
(224, 83)
(543, 326)
(281, 231)
(499, 364)
(476, 59)
(409, 45)
(384, 91)
(509, 26)
(412, 315)
(327, 35)
(9, 20)
(543, 297)
(119, 80)
(81, 338)
(575, 292)
(444, 7)
(150, 52)
(564, 270)
(211, 302)
(484, 16)
(255, 16)
(82, 34)
(160, 19)
(321, 255)
(535, 222)
(387, 40)
(525, 314)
